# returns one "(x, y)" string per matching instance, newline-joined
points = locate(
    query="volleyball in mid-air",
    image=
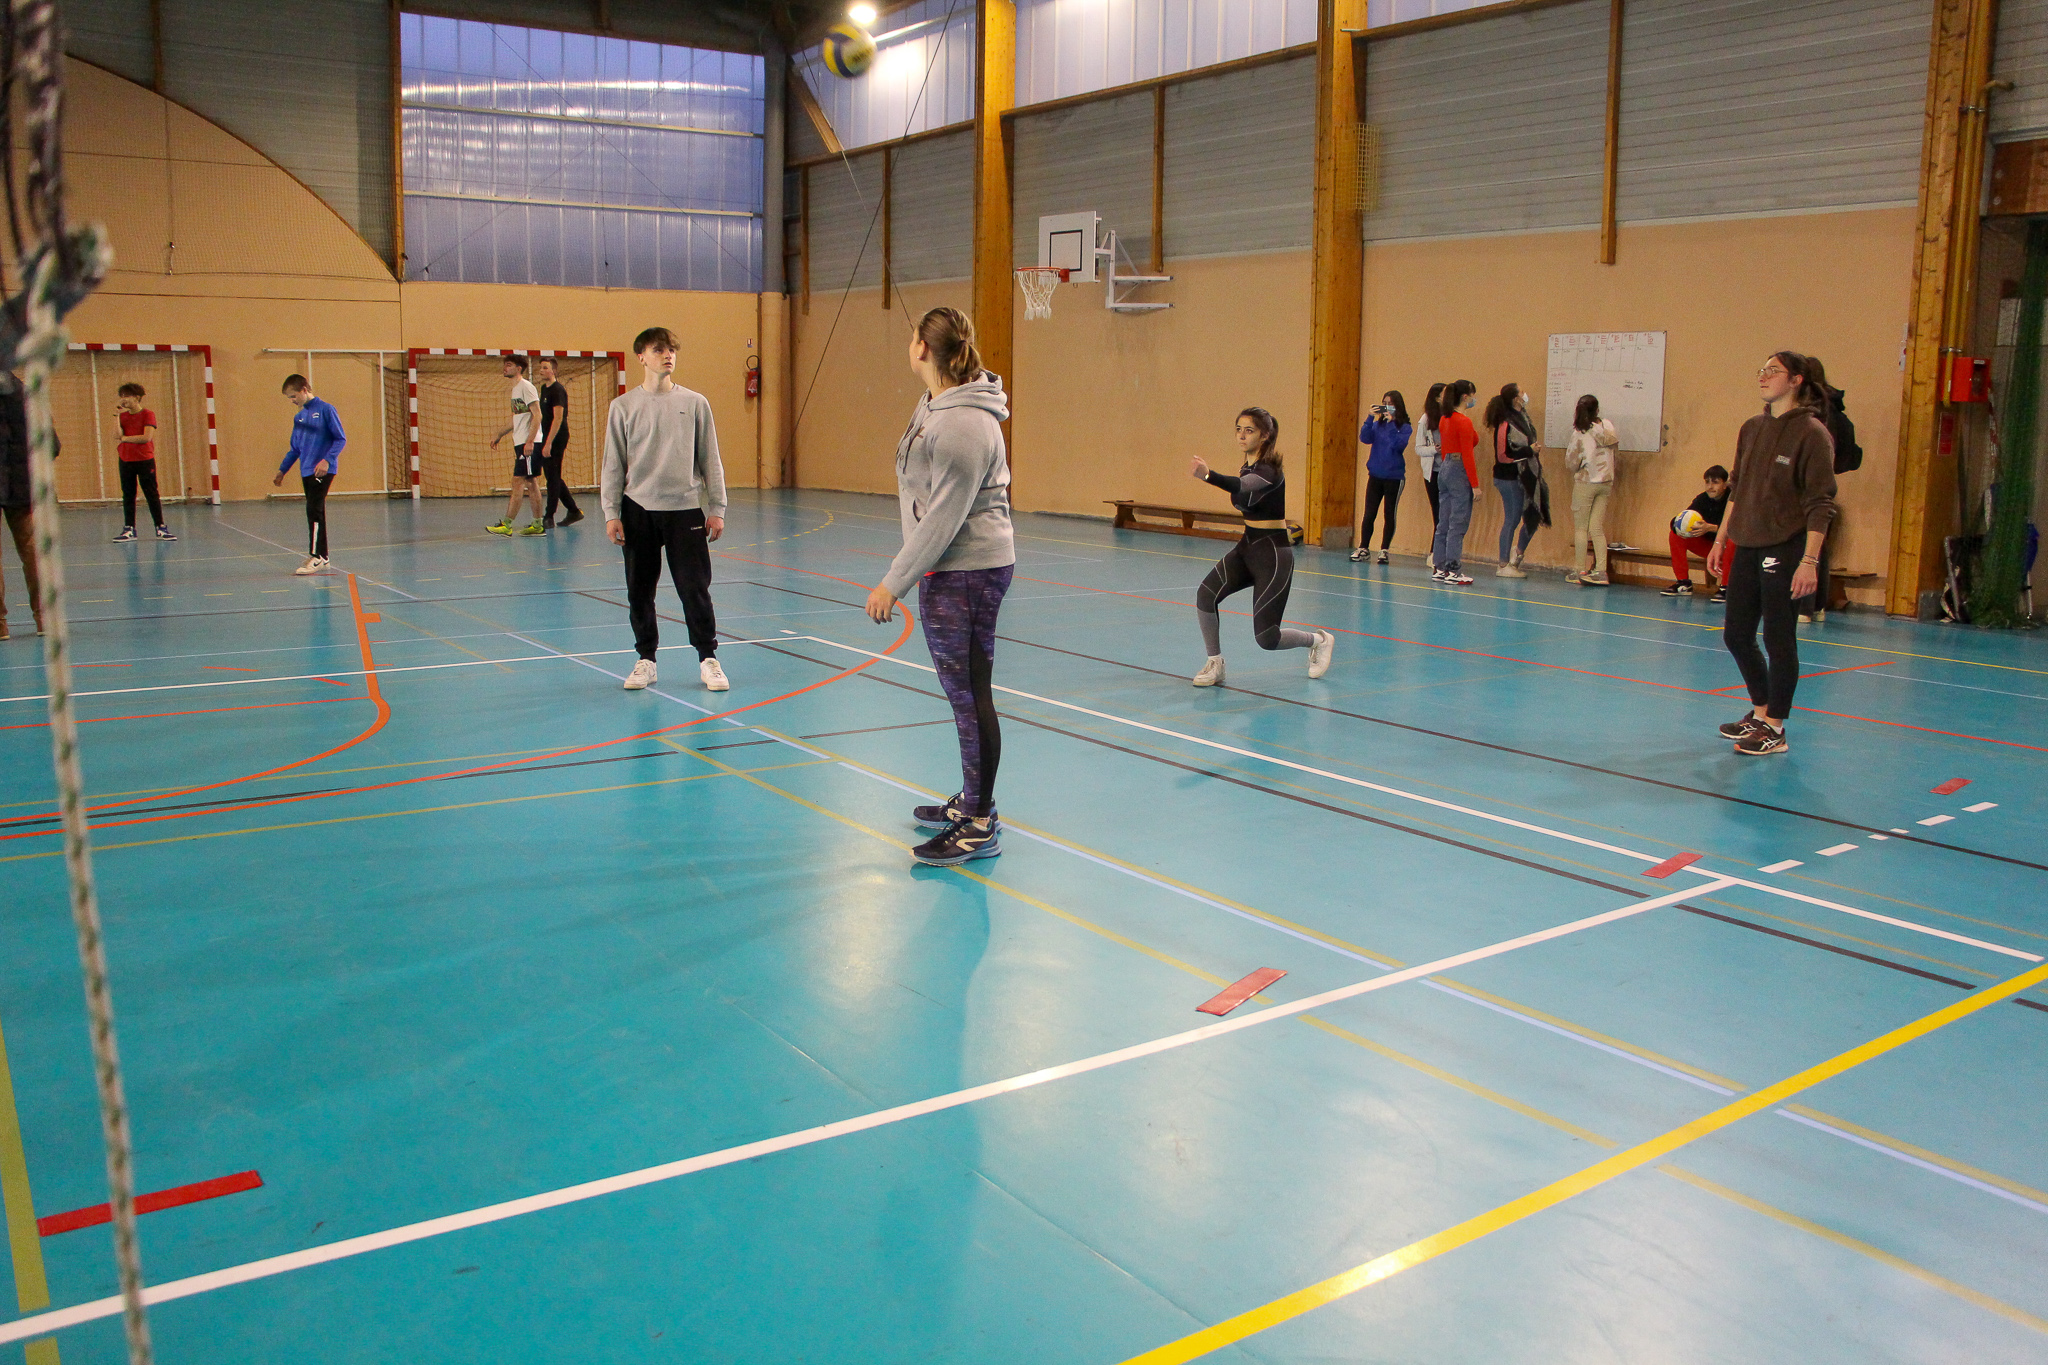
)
(1689, 524)
(848, 50)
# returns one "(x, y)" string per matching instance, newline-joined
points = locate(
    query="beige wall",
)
(217, 246)
(1843, 296)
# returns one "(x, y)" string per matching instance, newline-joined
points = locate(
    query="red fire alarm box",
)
(1969, 379)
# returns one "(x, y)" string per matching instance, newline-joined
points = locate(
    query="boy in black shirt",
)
(554, 443)
(1711, 506)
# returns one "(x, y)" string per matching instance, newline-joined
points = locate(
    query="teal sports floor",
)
(563, 1024)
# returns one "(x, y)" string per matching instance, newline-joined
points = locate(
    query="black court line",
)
(123, 812)
(1563, 762)
(752, 583)
(1497, 854)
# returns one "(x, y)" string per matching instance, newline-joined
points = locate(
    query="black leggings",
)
(1760, 588)
(1376, 490)
(681, 538)
(1429, 486)
(139, 473)
(558, 487)
(316, 513)
(1263, 561)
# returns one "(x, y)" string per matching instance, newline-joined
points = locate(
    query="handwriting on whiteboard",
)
(1625, 370)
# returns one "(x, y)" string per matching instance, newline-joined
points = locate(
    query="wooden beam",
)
(1159, 180)
(888, 224)
(1337, 279)
(813, 110)
(995, 90)
(1610, 187)
(1924, 510)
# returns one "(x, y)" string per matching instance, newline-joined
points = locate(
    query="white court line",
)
(1937, 819)
(1512, 823)
(1836, 850)
(1785, 866)
(1986, 1186)
(1982, 805)
(42, 1323)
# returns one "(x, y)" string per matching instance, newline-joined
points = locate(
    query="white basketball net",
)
(1038, 282)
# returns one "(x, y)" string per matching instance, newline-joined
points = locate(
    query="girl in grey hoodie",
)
(953, 479)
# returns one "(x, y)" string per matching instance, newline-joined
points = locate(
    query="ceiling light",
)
(863, 14)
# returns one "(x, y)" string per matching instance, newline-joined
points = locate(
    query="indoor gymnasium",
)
(1029, 682)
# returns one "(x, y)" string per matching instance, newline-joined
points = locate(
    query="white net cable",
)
(59, 268)
(1038, 283)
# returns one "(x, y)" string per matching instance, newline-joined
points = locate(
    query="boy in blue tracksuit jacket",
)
(317, 442)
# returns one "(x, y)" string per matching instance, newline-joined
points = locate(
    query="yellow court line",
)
(1359, 1277)
(24, 1242)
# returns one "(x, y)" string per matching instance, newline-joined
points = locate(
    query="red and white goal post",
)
(457, 399)
(178, 384)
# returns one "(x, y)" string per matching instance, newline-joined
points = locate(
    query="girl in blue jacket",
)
(1385, 434)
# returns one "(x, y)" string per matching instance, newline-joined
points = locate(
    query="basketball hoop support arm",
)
(1110, 298)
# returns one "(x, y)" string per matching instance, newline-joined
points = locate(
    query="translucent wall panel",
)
(1498, 125)
(1070, 47)
(561, 158)
(1380, 13)
(1731, 106)
(923, 76)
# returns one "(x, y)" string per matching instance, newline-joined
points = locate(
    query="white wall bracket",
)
(1116, 302)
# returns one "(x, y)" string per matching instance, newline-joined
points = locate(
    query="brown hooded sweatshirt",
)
(1784, 481)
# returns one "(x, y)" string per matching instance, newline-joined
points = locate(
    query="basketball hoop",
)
(1038, 282)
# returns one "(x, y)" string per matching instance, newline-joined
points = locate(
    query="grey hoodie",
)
(954, 483)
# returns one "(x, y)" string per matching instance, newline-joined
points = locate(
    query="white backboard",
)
(1624, 370)
(1067, 240)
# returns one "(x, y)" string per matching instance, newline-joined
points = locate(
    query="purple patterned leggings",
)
(959, 613)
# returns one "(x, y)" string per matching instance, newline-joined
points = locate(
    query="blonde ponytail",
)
(950, 335)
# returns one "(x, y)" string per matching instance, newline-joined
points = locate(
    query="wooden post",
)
(1159, 179)
(995, 91)
(1608, 231)
(1944, 265)
(888, 212)
(1337, 280)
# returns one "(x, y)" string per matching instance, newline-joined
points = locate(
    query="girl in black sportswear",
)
(1263, 560)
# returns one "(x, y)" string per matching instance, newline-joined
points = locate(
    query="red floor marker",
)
(1952, 786)
(150, 1203)
(1239, 991)
(1672, 864)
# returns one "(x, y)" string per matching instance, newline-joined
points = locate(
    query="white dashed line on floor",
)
(1937, 819)
(1837, 849)
(1785, 866)
(1982, 805)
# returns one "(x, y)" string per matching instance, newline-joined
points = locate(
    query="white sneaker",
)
(1319, 653)
(641, 676)
(314, 565)
(1458, 578)
(1508, 571)
(713, 676)
(1358, 555)
(1211, 674)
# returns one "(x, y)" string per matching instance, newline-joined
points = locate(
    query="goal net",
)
(459, 400)
(82, 394)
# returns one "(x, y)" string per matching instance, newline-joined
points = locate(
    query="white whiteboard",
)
(1625, 370)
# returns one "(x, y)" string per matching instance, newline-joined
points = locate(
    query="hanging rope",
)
(59, 268)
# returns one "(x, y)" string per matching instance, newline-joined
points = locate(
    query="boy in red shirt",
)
(138, 461)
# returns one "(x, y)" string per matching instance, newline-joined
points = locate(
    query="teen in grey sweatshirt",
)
(953, 477)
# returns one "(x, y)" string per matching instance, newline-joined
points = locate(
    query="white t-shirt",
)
(525, 409)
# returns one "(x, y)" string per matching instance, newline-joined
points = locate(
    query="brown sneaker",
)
(1736, 729)
(1762, 739)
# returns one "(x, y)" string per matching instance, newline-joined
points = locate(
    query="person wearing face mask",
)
(1590, 457)
(1514, 444)
(1781, 502)
(1385, 433)
(1457, 473)
(1263, 560)
(1426, 454)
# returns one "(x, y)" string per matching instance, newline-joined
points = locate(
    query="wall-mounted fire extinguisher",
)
(753, 376)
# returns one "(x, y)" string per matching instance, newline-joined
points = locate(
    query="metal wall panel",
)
(931, 209)
(1072, 47)
(1090, 156)
(1498, 125)
(845, 224)
(922, 78)
(1240, 161)
(2022, 58)
(305, 82)
(1380, 13)
(1754, 106)
(113, 34)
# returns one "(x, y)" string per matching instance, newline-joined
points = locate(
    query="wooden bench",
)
(1839, 580)
(1128, 511)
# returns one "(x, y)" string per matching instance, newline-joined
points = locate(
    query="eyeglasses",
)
(1767, 371)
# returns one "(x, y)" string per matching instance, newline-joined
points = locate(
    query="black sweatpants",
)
(1760, 589)
(316, 513)
(140, 473)
(558, 487)
(679, 537)
(1378, 490)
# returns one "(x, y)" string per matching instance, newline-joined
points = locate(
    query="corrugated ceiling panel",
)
(1498, 125)
(1240, 161)
(1072, 47)
(845, 225)
(923, 76)
(931, 209)
(1093, 156)
(2022, 58)
(1751, 106)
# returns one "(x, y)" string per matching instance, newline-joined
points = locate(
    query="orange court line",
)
(362, 634)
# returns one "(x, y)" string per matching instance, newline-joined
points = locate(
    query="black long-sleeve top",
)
(1259, 491)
